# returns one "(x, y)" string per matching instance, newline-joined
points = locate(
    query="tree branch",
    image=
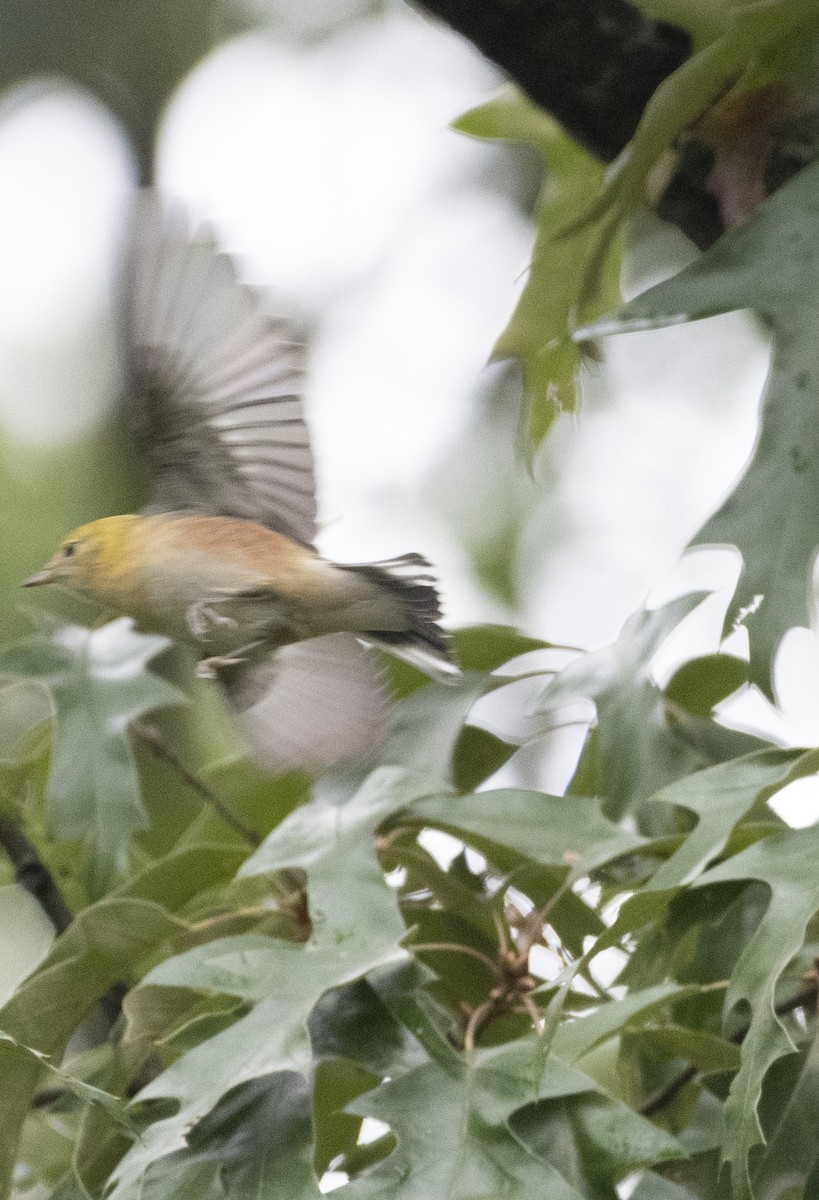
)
(664, 1097)
(151, 738)
(32, 874)
(592, 64)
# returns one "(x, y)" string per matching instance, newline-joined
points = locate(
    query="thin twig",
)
(32, 874)
(536, 919)
(151, 738)
(534, 1013)
(662, 1098)
(454, 948)
(474, 1024)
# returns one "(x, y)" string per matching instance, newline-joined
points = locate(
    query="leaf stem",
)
(151, 738)
(455, 948)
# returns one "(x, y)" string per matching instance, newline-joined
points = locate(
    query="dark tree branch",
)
(31, 873)
(592, 64)
(661, 1099)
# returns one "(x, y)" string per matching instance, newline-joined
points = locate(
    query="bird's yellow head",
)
(87, 557)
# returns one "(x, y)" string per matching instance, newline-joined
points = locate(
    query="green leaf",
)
(356, 927)
(574, 1039)
(707, 1052)
(256, 1141)
(538, 332)
(593, 1138)
(791, 1098)
(335, 844)
(25, 712)
(477, 755)
(100, 682)
(103, 945)
(786, 862)
(283, 982)
(637, 749)
(487, 647)
(770, 265)
(702, 683)
(548, 829)
(115, 1107)
(444, 1151)
(752, 33)
(720, 796)
(426, 726)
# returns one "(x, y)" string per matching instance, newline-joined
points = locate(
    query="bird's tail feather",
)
(312, 705)
(423, 642)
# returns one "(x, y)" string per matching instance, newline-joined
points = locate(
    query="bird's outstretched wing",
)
(312, 705)
(218, 381)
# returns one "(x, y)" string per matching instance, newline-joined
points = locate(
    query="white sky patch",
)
(65, 169)
(798, 803)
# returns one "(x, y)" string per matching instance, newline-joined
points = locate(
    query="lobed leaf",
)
(100, 682)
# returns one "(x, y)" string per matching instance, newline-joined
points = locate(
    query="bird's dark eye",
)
(69, 549)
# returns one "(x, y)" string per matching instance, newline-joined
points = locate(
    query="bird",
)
(222, 560)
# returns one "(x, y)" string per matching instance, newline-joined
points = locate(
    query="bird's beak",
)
(41, 578)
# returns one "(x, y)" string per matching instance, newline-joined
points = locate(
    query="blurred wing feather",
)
(219, 406)
(313, 705)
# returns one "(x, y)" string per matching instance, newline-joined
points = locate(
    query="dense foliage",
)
(408, 982)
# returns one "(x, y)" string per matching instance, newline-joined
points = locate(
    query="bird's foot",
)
(208, 668)
(203, 616)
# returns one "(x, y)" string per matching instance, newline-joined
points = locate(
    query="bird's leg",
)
(203, 615)
(208, 668)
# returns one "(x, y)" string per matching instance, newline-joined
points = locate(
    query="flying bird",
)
(223, 559)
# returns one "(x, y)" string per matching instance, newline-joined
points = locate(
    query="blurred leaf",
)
(426, 726)
(104, 942)
(480, 491)
(26, 935)
(25, 711)
(702, 683)
(772, 516)
(786, 863)
(100, 682)
(487, 647)
(539, 331)
(637, 750)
